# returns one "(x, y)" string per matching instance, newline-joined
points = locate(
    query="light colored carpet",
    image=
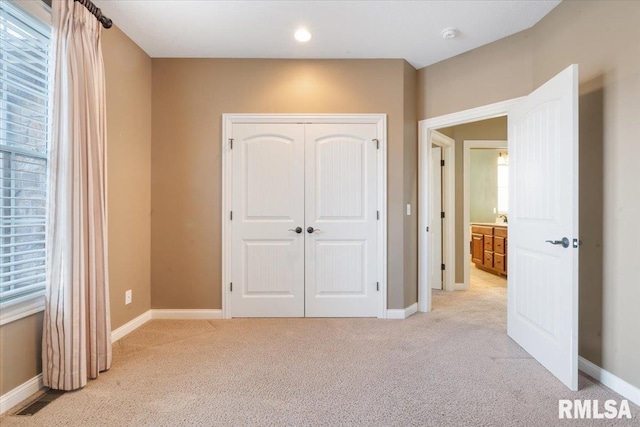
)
(452, 367)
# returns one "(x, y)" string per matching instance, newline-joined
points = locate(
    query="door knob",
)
(312, 230)
(297, 230)
(564, 242)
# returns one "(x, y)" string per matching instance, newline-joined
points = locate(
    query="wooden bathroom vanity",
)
(489, 247)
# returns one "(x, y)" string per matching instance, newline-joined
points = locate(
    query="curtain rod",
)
(95, 11)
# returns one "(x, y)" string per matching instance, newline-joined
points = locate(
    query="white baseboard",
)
(402, 313)
(609, 380)
(21, 393)
(163, 314)
(129, 327)
(134, 324)
(185, 314)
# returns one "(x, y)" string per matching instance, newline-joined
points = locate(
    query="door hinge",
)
(441, 162)
(231, 142)
(441, 214)
(231, 287)
(378, 286)
(378, 215)
(442, 267)
(377, 143)
(230, 215)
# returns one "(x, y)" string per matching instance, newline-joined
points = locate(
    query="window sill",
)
(20, 309)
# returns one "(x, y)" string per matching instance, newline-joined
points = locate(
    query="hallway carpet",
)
(452, 367)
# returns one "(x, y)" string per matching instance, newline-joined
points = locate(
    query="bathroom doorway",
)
(485, 212)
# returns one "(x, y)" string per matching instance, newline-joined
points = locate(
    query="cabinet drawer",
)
(488, 259)
(499, 262)
(500, 231)
(499, 246)
(488, 243)
(481, 230)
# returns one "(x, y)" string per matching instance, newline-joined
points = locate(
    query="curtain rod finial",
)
(106, 22)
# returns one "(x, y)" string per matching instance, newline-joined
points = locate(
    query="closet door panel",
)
(341, 220)
(268, 205)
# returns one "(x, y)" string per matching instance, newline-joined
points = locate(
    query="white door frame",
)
(425, 137)
(467, 145)
(228, 120)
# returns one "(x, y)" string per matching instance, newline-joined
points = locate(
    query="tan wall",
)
(602, 37)
(189, 97)
(20, 352)
(128, 80)
(410, 169)
(491, 73)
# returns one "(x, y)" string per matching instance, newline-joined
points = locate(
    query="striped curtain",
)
(77, 326)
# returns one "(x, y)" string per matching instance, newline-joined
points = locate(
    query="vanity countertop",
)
(492, 224)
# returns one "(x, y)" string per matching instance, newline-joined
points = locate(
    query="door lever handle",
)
(297, 230)
(564, 242)
(312, 230)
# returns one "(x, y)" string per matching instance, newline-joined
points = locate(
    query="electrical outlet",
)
(408, 209)
(127, 297)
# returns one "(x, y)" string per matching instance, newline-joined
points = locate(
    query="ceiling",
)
(340, 29)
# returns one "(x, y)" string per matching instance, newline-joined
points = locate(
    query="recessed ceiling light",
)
(302, 35)
(449, 33)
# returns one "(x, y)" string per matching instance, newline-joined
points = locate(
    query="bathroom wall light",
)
(503, 159)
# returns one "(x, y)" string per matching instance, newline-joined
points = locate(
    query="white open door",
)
(436, 218)
(543, 225)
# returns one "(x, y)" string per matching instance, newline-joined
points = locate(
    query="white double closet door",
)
(304, 224)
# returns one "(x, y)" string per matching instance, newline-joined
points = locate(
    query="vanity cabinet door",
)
(477, 248)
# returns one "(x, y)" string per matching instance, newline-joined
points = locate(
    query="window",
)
(503, 183)
(24, 127)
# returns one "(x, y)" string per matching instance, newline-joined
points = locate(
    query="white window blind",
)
(24, 98)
